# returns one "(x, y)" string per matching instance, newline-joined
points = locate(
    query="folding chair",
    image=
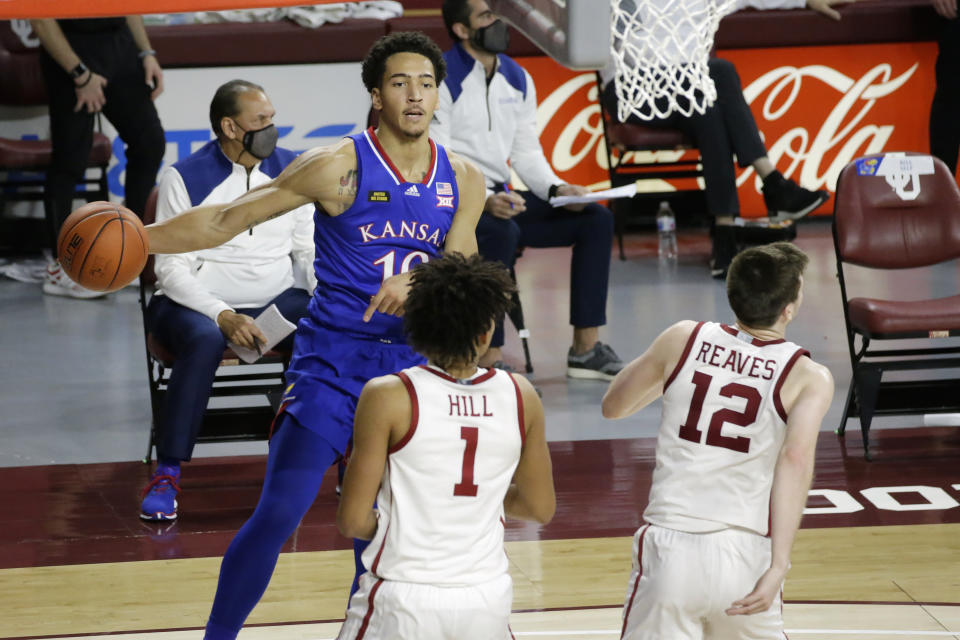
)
(627, 141)
(883, 228)
(244, 398)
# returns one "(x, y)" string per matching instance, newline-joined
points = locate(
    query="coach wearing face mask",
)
(208, 297)
(487, 111)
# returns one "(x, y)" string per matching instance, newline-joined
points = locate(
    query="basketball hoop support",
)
(576, 33)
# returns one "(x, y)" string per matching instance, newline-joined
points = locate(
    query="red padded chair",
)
(875, 228)
(622, 138)
(244, 398)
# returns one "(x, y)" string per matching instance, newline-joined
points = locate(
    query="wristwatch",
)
(77, 72)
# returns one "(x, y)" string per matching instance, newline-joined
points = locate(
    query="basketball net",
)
(661, 48)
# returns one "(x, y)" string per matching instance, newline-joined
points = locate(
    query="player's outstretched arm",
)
(641, 382)
(383, 407)
(311, 177)
(811, 387)
(531, 495)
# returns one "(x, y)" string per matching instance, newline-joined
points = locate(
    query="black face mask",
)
(261, 142)
(493, 38)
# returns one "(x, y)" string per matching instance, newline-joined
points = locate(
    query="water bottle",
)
(667, 232)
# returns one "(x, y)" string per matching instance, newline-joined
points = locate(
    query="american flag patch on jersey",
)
(444, 189)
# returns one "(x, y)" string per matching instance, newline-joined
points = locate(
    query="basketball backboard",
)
(576, 33)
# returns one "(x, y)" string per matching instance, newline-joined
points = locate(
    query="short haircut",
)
(763, 280)
(455, 11)
(375, 62)
(226, 102)
(454, 300)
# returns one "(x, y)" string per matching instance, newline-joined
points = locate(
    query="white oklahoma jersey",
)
(440, 503)
(722, 427)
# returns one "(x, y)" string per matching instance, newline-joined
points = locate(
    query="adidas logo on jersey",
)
(412, 191)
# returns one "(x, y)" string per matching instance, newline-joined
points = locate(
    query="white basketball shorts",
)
(682, 583)
(390, 610)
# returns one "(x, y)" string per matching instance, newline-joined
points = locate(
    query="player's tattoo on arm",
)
(262, 220)
(348, 189)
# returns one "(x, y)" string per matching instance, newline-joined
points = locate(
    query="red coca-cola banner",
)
(817, 109)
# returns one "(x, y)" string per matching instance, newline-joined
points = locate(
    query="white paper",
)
(274, 327)
(626, 191)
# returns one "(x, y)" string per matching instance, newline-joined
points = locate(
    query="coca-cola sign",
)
(817, 109)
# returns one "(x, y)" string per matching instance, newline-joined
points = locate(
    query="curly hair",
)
(452, 301)
(763, 280)
(375, 62)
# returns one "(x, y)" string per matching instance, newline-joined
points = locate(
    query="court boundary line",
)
(545, 610)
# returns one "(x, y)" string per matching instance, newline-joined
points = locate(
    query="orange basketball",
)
(102, 246)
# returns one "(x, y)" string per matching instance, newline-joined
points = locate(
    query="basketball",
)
(102, 246)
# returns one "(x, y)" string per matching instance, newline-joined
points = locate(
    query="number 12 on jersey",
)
(689, 430)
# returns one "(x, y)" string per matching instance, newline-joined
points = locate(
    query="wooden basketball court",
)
(878, 557)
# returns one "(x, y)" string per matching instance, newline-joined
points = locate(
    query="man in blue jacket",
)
(486, 111)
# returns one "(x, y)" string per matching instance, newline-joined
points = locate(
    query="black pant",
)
(726, 128)
(589, 232)
(112, 54)
(945, 109)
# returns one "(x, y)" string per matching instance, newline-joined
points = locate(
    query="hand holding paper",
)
(626, 191)
(274, 326)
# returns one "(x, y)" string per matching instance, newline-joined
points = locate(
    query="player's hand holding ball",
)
(103, 246)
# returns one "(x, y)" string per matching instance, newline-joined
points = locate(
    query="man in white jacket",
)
(207, 297)
(486, 111)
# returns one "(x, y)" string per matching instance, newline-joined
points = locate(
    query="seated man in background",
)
(486, 112)
(727, 129)
(207, 297)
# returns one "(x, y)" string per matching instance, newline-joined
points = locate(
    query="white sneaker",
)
(58, 283)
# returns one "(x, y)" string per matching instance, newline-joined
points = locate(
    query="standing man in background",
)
(207, 297)
(487, 112)
(92, 66)
(742, 409)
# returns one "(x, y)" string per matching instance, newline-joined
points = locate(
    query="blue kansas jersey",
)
(392, 226)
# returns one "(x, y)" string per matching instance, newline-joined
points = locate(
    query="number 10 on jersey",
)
(388, 262)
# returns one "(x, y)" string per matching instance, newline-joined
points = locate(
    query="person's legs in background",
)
(784, 198)
(131, 111)
(497, 241)
(198, 344)
(944, 120)
(590, 233)
(71, 136)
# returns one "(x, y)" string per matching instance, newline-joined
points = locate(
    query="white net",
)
(661, 48)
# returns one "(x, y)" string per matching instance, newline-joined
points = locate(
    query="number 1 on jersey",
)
(466, 487)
